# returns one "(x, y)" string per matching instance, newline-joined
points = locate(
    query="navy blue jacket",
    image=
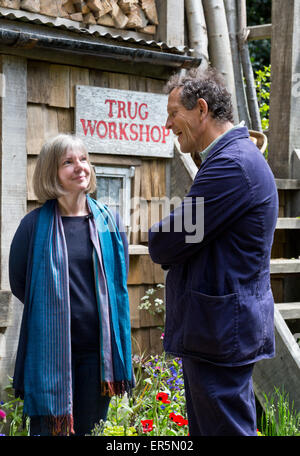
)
(219, 303)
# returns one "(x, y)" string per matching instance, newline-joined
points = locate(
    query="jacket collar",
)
(233, 134)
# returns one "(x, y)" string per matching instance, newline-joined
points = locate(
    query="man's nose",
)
(168, 123)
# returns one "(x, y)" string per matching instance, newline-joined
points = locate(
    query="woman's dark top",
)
(84, 311)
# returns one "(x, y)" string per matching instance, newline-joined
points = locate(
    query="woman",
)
(68, 265)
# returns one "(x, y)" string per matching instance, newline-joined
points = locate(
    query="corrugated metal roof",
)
(124, 36)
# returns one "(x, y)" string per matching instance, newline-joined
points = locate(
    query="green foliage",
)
(157, 406)
(263, 84)
(279, 417)
(259, 13)
(13, 408)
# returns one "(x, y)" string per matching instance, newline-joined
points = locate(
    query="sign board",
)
(123, 122)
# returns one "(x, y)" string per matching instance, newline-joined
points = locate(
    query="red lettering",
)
(110, 114)
(101, 122)
(112, 130)
(165, 133)
(122, 131)
(134, 132)
(129, 110)
(146, 132)
(121, 109)
(88, 127)
(152, 133)
(145, 113)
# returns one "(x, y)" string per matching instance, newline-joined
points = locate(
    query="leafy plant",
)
(157, 406)
(263, 84)
(13, 409)
(279, 417)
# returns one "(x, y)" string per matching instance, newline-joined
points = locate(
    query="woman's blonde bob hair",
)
(45, 178)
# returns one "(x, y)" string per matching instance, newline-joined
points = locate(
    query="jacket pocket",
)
(211, 325)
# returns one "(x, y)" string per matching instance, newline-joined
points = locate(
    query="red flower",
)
(163, 397)
(181, 421)
(147, 425)
(172, 416)
(178, 419)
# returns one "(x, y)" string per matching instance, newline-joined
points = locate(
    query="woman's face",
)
(74, 171)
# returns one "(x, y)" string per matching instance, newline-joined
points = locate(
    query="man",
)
(219, 304)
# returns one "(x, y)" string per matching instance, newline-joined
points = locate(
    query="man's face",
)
(184, 123)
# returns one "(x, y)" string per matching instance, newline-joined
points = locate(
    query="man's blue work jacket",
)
(219, 303)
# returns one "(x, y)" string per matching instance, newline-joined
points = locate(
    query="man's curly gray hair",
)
(207, 84)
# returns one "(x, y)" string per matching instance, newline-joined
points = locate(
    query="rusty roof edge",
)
(92, 30)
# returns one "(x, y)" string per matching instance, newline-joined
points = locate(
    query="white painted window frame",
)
(126, 174)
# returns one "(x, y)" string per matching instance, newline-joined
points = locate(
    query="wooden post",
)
(219, 45)
(171, 22)
(284, 131)
(13, 103)
(13, 112)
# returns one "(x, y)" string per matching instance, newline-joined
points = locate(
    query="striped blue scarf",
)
(47, 373)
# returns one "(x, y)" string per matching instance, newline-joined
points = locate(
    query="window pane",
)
(109, 192)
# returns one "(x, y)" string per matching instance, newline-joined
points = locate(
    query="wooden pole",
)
(197, 30)
(284, 131)
(242, 104)
(219, 45)
(247, 67)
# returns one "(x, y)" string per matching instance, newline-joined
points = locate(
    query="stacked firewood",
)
(140, 15)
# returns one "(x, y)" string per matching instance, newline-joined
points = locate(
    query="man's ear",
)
(203, 107)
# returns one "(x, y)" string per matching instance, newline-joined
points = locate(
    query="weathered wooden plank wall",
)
(50, 110)
(12, 196)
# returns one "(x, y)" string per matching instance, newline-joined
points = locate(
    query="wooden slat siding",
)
(146, 341)
(156, 344)
(135, 216)
(134, 300)
(78, 76)
(65, 120)
(119, 81)
(49, 84)
(38, 87)
(42, 124)
(141, 341)
(146, 188)
(59, 80)
(143, 271)
(137, 83)
(99, 78)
